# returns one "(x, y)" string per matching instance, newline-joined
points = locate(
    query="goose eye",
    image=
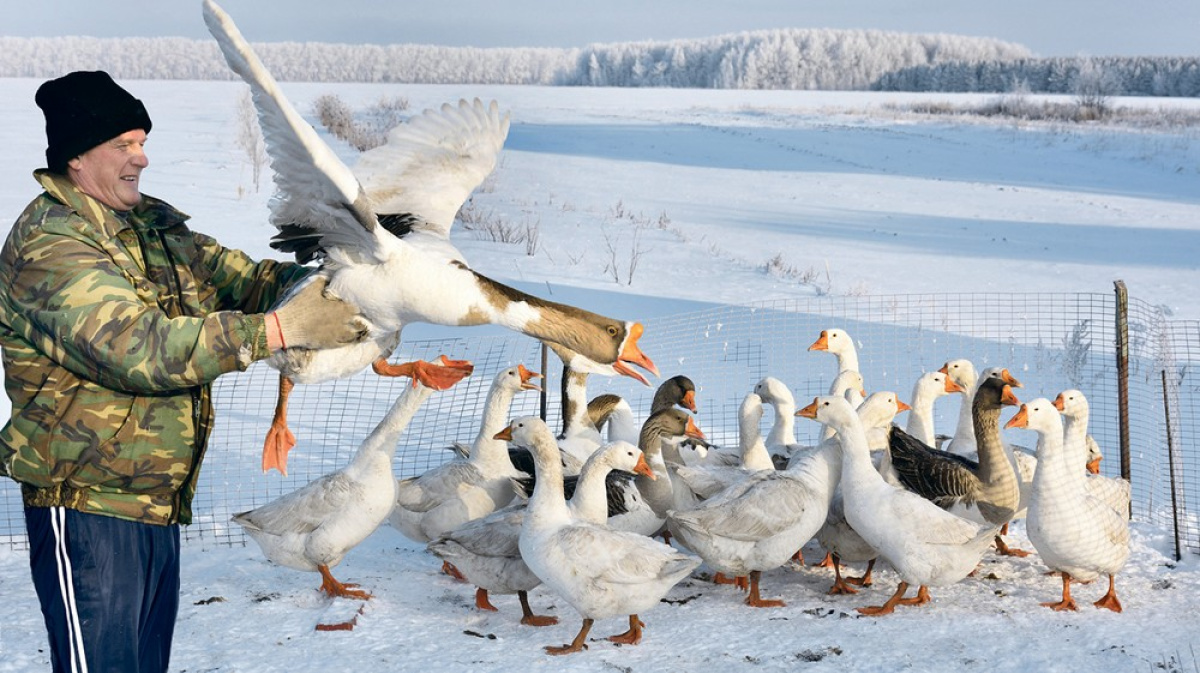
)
(612, 330)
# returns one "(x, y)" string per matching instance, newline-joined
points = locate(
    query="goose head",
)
(677, 390)
(879, 409)
(1039, 415)
(668, 425)
(626, 353)
(833, 340)
(962, 373)
(773, 391)
(994, 392)
(620, 455)
(517, 379)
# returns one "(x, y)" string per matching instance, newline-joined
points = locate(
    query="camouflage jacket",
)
(113, 327)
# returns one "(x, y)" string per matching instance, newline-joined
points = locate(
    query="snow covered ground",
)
(703, 189)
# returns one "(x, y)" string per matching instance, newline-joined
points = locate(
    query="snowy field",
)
(703, 189)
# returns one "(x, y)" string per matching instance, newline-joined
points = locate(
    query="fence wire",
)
(1051, 342)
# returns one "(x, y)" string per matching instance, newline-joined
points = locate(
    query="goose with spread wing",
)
(381, 233)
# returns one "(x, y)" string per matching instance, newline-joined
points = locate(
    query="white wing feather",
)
(314, 188)
(432, 163)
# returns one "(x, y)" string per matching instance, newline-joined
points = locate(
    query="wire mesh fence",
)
(1050, 342)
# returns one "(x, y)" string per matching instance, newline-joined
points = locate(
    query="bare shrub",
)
(617, 255)
(531, 236)
(250, 138)
(368, 131)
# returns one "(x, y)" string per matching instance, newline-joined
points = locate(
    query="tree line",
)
(819, 59)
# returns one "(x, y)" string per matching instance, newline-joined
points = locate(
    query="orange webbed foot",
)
(449, 569)
(440, 375)
(336, 589)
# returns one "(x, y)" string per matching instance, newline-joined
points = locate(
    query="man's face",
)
(109, 172)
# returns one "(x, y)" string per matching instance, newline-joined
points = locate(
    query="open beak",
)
(630, 353)
(811, 410)
(505, 434)
(526, 375)
(822, 342)
(693, 430)
(643, 467)
(1021, 420)
(1008, 397)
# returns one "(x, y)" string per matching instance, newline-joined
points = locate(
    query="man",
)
(115, 318)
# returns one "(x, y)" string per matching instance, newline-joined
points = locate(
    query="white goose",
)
(1082, 450)
(456, 492)
(487, 550)
(926, 391)
(840, 343)
(927, 545)
(313, 527)
(707, 480)
(600, 572)
(758, 523)
(1074, 532)
(837, 536)
(781, 440)
(962, 373)
(382, 234)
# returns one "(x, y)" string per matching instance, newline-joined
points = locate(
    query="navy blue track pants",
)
(109, 589)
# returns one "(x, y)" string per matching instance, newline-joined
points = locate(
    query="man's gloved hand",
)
(313, 320)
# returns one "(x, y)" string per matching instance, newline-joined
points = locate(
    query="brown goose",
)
(986, 491)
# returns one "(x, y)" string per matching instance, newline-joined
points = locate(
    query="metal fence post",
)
(545, 403)
(1171, 466)
(1122, 347)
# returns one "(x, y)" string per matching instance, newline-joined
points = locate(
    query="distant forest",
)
(777, 59)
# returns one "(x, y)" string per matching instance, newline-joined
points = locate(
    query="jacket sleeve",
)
(73, 302)
(242, 283)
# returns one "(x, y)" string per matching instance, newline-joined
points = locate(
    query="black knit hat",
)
(84, 109)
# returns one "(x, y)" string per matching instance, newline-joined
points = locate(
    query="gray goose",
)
(987, 491)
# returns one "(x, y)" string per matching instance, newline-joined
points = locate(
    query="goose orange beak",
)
(643, 467)
(811, 410)
(505, 434)
(951, 386)
(901, 406)
(1059, 404)
(689, 401)
(526, 375)
(822, 342)
(630, 353)
(1094, 466)
(693, 430)
(1010, 379)
(1007, 396)
(1021, 420)
(945, 370)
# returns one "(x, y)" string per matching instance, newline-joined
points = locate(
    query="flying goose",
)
(381, 233)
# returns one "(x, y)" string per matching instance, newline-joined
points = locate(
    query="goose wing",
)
(431, 164)
(318, 197)
(940, 476)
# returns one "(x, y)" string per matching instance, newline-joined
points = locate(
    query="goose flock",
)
(623, 504)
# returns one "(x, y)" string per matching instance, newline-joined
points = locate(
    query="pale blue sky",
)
(1048, 27)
